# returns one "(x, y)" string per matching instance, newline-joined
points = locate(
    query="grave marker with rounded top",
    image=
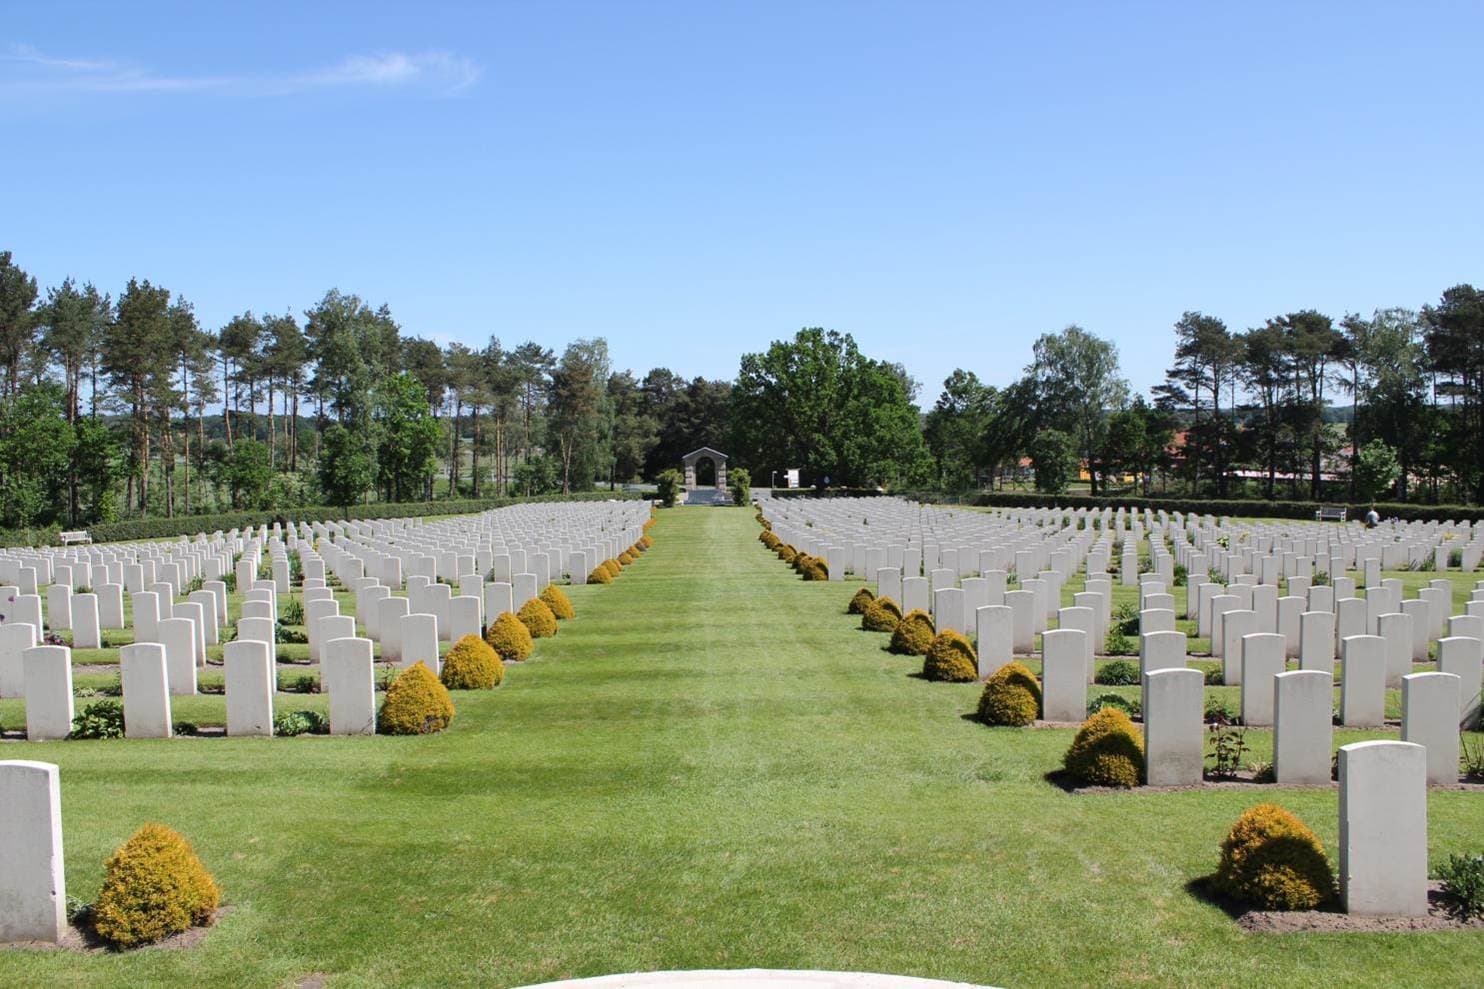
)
(146, 684)
(1064, 675)
(1303, 727)
(1174, 731)
(350, 681)
(48, 690)
(1383, 828)
(994, 637)
(15, 639)
(420, 641)
(1430, 719)
(33, 892)
(1262, 660)
(1363, 681)
(1464, 658)
(250, 687)
(178, 636)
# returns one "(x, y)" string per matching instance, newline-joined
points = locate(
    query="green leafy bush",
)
(1462, 879)
(293, 612)
(103, 719)
(1118, 673)
(290, 723)
(1128, 707)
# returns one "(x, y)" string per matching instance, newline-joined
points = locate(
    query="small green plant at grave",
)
(1124, 704)
(1471, 756)
(1462, 878)
(1182, 576)
(1320, 579)
(303, 683)
(385, 675)
(1215, 678)
(85, 589)
(1119, 673)
(1126, 618)
(230, 579)
(291, 723)
(186, 728)
(289, 636)
(1262, 772)
(1228, 746)
(265, 570)
(1455, 558)
(1218, 711)
(105, 719)
(296, 569)
(1425, 565)
(293, 612)
(1117, 644)
(194, 584)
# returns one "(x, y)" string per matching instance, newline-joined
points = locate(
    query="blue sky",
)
(692, 180)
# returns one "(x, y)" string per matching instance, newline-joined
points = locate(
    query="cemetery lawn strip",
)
(711, 766)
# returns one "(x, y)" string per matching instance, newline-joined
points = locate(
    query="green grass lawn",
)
(710, 767)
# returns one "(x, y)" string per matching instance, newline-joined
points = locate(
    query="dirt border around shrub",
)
(1438, 918)
(85, 942)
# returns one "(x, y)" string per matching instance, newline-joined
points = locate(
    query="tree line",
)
(127, 405)
(1303, 406)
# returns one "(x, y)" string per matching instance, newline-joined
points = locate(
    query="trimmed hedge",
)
(1272, 860)
(914, 634)
(1012, 697)
(509, 638)
(536, 616)
(1247, 507)
(189, 525)
(557, 600)
(1108, 751)
(472, 664)
(153, 886)
(860, 601)
(882, 615)
(416, 703)
(951, 659)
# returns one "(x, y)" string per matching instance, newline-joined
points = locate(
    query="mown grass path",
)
(710, 767)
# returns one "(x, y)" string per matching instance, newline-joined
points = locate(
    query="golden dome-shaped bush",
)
(860, 601)
(1108, 751)
(538, 619)
(153, 886)
(914, 634)
(509, 638)
(472, 664)
(626, 557)
(882, 615)
(613, 567)
(815, 569)
(645, 541)
(599, 575)
(1011, 697)
(786, 553)
(1272, 860)
(951, 658)
(768, 539)
(416, 703)
(636, 549)
(556, 599)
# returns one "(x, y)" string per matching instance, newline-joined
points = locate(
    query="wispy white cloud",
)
(25, 69)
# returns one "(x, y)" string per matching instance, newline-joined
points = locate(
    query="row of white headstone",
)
(1382, 846)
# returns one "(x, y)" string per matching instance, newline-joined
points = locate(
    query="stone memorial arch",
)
(718, 464)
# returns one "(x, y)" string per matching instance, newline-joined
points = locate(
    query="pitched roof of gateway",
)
(705, 449)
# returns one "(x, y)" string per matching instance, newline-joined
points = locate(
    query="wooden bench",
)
(1331, 513)
(80, 536)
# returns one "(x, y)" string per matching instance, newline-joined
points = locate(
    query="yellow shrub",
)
(768, 539)
(1011, 697)
(914, 634)
(626, 557)
(153, 886)
(645, 541)
(613, 567)
(509, 638)
(1272, 860)
(1108, 751)
(556, 599)
(860, 601)
(951, 658)
(882, 615)
(815, 569)
(538, 619)
(472, 664)
(786, 553)
(416, 703)
(599, 575)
